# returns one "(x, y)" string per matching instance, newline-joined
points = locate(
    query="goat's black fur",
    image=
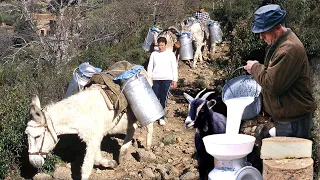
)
(207, 122)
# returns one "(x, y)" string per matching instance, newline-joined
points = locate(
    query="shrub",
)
(104, 55)
(13, 109)
(49, 164)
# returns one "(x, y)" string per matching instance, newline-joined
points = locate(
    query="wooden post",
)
(288, 169)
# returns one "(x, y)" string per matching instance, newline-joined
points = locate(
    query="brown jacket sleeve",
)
(283, 71)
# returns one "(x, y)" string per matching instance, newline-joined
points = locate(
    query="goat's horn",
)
(198, 95)
(206, 95)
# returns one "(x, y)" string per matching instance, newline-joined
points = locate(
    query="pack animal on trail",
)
(200, 41)
(85, 114)
(207, 122)
(171, 37)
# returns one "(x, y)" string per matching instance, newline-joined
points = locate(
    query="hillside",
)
(173, 154)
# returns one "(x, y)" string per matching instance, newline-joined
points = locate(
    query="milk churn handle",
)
(136, 74)
(242, 67)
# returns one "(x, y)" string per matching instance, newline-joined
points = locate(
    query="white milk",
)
(235, 108)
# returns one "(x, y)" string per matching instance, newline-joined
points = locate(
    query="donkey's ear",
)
(188, 97)
(35, 110)
(35, 101)
(211, 103)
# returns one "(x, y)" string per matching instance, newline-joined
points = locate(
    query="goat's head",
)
(197, 106)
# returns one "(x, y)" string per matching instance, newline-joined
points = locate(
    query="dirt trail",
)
(172, 155)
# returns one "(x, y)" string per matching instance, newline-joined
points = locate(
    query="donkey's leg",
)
(200, 53)
(99, 160)
(149, 135)
(127, 141)
(88, 159)
(205, 52)
(197, 55)
(212, 50)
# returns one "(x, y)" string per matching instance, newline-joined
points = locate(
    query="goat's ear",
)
(188, 97)
(211, 103)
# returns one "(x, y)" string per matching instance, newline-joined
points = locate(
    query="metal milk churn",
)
(80, 77)
(154, 30)
(215, 32)
(142, 100)
(186, 50)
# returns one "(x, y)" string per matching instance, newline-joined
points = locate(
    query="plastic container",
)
(186, 49)
(142, 100)
(244, 86)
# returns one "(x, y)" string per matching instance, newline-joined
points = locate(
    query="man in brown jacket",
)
(284, 77)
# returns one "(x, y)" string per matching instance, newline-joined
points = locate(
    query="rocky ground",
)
(173, 154)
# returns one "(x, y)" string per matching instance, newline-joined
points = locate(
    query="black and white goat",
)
(207, 122)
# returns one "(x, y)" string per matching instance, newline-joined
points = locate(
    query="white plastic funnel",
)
(228, 146)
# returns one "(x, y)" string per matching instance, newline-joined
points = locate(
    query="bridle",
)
(51, 130)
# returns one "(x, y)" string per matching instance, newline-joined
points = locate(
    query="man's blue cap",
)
(266, 17)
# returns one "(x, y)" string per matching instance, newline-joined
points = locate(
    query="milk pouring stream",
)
(235, 108)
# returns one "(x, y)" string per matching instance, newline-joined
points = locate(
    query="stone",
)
(144, 155)
(42, 176)
(147, 173)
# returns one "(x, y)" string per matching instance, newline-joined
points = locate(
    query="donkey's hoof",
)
(112, 163)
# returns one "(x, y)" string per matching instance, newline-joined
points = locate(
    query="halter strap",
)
(51, 131)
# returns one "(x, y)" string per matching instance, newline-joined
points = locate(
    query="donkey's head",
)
(197, 106)
(41, 136)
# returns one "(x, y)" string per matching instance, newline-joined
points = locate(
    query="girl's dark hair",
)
(162, 39)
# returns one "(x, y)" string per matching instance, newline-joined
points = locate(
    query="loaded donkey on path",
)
(207, 122)
(85, 114)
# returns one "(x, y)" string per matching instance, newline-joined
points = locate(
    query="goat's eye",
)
(37, 137)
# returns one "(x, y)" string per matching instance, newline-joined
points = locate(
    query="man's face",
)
(269, 36)
(202, 10)
(162, 46)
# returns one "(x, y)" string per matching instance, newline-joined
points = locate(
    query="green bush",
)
(129, 49)
(14, 109)
(49, 164)
(6, 18)
(20, 79)
(302, 18)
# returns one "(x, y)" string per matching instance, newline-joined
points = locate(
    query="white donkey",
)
(85, 114)
(198, 36)
(171, 37)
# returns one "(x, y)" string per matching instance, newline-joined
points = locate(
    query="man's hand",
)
(174, 84)
(249, 65)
